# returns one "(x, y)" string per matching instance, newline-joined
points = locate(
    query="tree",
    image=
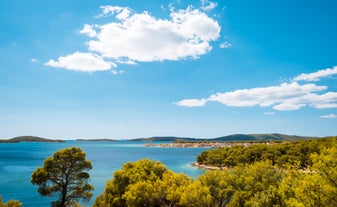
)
(248, 185)
(149, 183)
(132, 173)
(316, 186)
(64, 175)
(11, 203)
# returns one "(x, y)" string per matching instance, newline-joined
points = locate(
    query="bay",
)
(19, 160)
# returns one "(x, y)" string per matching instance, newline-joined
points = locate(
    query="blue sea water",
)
(19, 160)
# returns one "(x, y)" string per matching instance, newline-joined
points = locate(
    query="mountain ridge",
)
(230, 138)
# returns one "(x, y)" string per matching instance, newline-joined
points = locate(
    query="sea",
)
(19, 160)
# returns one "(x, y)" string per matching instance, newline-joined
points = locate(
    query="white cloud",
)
(225, 44)
(316, 76)
(208, 5)
(140, 37)
(88, 30)
(285, 97)
(143, 38)
(330, 116)
(269, 113)
(86, 62)
(112, 10)
(117, 72)
(192, 102)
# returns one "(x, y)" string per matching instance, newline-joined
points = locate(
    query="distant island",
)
(28, 139)
(229, 138)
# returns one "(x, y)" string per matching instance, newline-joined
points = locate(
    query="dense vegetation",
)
(11, 203)
(302, 173)
(294, 174)
(149, 183)
(297, 152)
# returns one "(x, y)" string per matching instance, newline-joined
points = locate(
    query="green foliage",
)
(293, 174)
(146, 171)
(10, 203)
(64, 175)
(150, 183)
(252, 184)
(280, 154)
(243, 185)
(316, 186)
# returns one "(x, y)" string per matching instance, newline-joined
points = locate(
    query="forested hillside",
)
(28, 139)
(295, 152)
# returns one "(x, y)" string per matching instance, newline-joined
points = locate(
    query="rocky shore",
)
(207, 167)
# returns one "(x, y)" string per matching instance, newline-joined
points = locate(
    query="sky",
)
(129, 69)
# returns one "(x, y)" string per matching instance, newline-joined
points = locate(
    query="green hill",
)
(229, 138)
(29, 139)
(260, 137)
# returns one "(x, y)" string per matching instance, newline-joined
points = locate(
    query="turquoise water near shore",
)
(19, 160)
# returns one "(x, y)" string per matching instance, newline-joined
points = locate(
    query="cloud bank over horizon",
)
(284, 97)
(141, 37)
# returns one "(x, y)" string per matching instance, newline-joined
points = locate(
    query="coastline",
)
(207, 144)
(207, 167)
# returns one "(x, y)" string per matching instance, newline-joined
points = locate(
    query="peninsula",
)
(28, 139)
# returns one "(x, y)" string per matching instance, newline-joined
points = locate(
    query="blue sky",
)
(127, 69)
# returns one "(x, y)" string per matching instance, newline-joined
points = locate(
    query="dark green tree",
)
(65, 175)
(149, 183)
(11, 203)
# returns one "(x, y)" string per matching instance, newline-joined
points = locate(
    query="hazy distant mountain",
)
(29, 139)
(257, 137)
(230, 138)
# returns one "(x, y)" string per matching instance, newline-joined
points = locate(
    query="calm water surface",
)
(19, 160)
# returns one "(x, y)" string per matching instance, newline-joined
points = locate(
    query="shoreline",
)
(206, 167)
(206, 144)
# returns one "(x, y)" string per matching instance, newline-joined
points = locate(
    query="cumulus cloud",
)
(329, 116)
(143, 38)
(285, 97)
(88, 30)
(316, 76)
(133, 37)
(192, 102)
(86, 62)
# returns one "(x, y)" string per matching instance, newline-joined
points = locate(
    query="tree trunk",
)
(63, 198)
